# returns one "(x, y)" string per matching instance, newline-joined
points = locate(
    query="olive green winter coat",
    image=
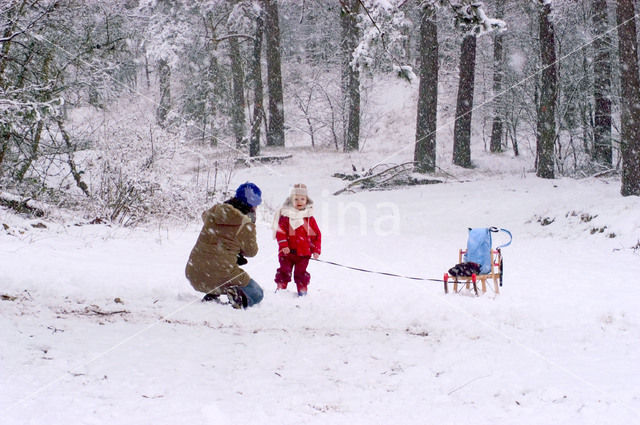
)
(212, 264)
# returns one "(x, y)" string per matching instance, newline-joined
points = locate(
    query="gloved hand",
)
(241, 260)
(252, 216)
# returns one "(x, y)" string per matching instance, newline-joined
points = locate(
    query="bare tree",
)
(630, 97)
(51, 51)
(13, 12)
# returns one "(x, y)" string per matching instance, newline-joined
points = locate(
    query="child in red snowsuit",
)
(298, 237)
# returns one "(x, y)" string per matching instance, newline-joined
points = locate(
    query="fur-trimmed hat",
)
(299, 189)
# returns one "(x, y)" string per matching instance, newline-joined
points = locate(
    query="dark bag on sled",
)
(465, 269)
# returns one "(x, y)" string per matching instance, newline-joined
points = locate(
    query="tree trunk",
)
(147, 72)
(464, 104)
(426, 123)
(164, 73)
(275, 130)
(75, 173)
(548, 92)
(4, 144)
(217, 93)
(498, 68)
(350, 75)
(602, 152)
(258, 97)
(34, 147)
(237, 87)
(12, 17)
(630, 97)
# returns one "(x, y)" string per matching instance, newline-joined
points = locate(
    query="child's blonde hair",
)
(298, 189)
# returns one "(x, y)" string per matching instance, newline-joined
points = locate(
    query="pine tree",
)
(350, 74)
(630, 97)
(602, 152)
(275, 133)
(498, 69)
(548, 93)
(464, 104)
(426, 123)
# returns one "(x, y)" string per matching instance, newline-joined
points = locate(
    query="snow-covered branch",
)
(471, 17)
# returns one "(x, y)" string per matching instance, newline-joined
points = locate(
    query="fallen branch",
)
(606, 173)
(96, 310)
(93, 310)
(391, 176)
(271, 159)
(22, 206)
(371, 177)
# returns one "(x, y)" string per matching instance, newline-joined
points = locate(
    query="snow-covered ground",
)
(99, 326)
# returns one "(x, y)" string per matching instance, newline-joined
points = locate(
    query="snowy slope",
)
(560, 344)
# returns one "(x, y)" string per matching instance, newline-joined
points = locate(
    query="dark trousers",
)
(292, 262)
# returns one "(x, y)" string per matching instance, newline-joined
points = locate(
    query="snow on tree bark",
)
(275, 130)
(630, 98)
(350, 74)
(548, 93)
(238, 104)
(258, 96)
(602, 152)
(498, 64)
(164, 105)
(426, 123)
(464, 104)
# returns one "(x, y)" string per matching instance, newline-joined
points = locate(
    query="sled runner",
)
(478, 262)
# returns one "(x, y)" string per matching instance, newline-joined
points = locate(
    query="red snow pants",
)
(292, 262)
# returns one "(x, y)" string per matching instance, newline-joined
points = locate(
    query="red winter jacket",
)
(305, 240)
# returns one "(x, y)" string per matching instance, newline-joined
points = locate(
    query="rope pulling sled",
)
(478, 252)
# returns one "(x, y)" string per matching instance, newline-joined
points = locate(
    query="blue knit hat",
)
(249, 193)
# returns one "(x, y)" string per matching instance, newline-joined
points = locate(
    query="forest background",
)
(129, 110)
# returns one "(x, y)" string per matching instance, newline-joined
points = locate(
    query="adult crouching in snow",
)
(227, 236)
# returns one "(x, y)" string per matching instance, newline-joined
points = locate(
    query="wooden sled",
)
(495, 274)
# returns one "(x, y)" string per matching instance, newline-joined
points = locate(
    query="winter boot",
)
(237, 298)
(210, 297)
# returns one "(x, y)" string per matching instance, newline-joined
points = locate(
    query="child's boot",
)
(302, 289)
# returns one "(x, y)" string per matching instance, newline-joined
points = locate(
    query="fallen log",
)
(262, 159)
(22, 206)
